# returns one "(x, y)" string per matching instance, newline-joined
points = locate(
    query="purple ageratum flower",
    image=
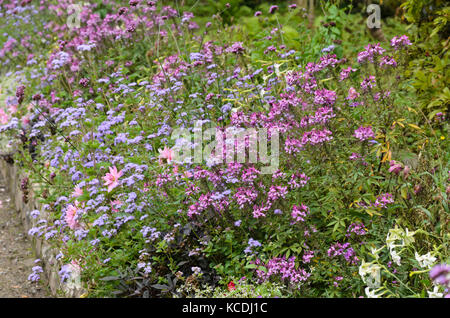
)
(251, 244)
(34, 276)
(364, 133)
(65, 273)
(35, 213)
(328, 49)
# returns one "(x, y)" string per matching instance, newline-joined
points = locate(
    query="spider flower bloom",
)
(70, 218)
(352, 94)
(236, 48)
(111, 178)
(166, 154)
(400, 41)
(364, 133)
(395, 167)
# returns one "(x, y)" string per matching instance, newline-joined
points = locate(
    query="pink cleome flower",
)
(111, 178)
(364, 133)
(299, 213)
(352, 94)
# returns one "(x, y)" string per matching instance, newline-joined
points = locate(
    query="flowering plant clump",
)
(111, 127)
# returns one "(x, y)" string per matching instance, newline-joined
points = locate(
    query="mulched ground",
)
(16, 257)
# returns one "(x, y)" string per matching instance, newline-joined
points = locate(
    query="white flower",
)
(277, 69)
(435, 293)
(375, 252)
(261, 93)
(408, 237)
(395, 257)
(373, 270)
(196, 270)
(371, 293)
(394, 235)
(397, 234)
(426, 260)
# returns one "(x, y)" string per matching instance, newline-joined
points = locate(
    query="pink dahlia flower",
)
(166, 154)
(71, 214)
(112, 178)
(77, 192)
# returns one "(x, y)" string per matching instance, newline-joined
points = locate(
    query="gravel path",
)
(16, 257)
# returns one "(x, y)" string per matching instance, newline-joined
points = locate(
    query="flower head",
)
(111, 178)
(364, 133)
(166, 154)
(273, 9)
(70, 218)
(77, 192)
(426, 260)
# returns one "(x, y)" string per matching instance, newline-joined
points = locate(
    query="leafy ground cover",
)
(98, 112)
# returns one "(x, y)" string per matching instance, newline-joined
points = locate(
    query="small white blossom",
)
(426, 260)
(435, 293)
(373, 271)
(395, 257)
(371, 293)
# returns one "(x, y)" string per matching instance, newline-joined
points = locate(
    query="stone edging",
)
(41, 249)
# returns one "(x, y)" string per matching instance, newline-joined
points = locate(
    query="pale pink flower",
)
(4, 118)
(25, 120)
(406, 171)
(115, 205)
(364, 133)
(166, 153)
(77, 192)
(352, 93)
(12, 109)
(395, 167)
(71, 214)
(112, 178)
